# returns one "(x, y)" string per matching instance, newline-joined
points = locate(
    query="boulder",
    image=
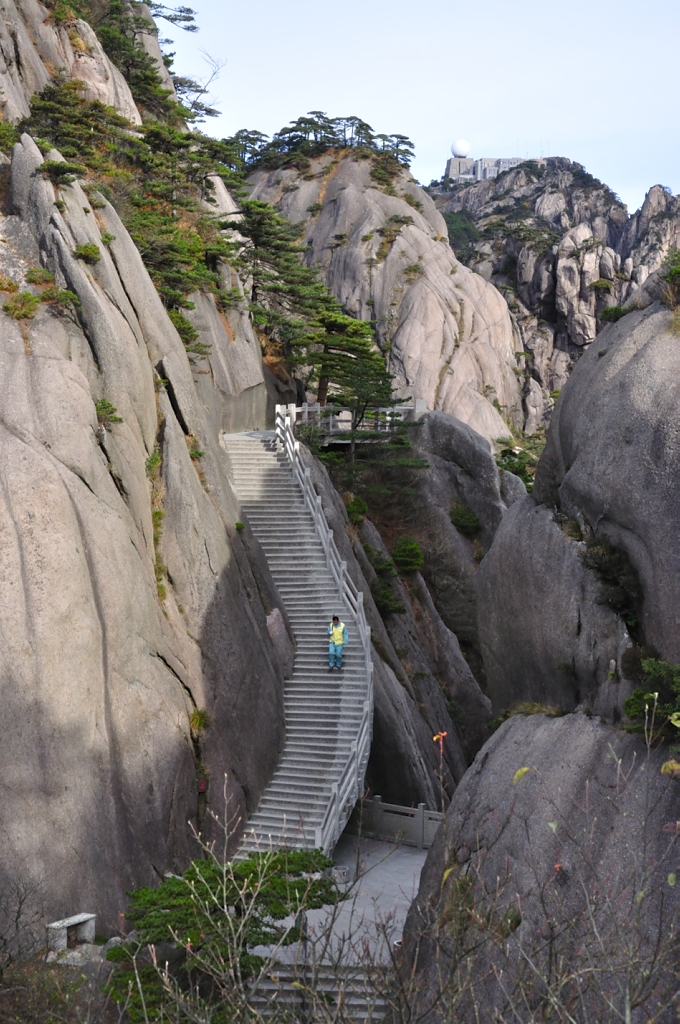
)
(544, 636)
(607, 475)
(611, 458)
(551, 883)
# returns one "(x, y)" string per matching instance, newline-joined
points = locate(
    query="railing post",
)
(318, 837)
(355, 758)
(376, 815)
(420, 826)
(336, 814)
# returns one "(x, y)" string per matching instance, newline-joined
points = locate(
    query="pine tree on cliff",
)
(350, 369)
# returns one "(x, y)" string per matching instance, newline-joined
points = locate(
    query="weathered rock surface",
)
(99, 676)
(609, 468)
(448, 333)
(461, 473)
(568, 871)
(33, 49)
(612, 458)
(544, 635)
(562, 248)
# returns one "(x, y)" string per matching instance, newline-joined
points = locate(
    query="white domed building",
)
(460, 148)
(460, 168)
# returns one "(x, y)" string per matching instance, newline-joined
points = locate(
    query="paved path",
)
(373, 916)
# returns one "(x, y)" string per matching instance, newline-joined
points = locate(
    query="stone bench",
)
(71, 932)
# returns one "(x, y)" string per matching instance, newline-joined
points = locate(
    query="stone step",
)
(323, 710)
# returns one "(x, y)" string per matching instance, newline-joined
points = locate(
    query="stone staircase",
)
(324, 994)
(328, 714)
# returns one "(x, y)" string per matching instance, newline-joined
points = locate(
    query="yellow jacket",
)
(337, 634)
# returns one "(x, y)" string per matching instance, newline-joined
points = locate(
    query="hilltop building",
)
(460, 167)
(464, 169)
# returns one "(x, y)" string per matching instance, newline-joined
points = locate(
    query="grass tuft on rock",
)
(22, 306)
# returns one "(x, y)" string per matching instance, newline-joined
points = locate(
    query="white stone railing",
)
(338, 420)
(348, 788)
(409, 826)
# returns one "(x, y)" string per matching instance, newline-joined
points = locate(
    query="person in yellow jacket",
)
(337, 638)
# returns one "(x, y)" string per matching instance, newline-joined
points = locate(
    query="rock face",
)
(99, 674)
(552, 877)
(562, 248)
(410, 696)
(386, 257)
(612, 458)
(461, 477)
(33, 47)
(609, 472)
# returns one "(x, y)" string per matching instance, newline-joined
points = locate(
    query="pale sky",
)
(592, 80)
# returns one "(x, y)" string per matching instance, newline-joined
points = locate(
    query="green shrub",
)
(671, 275)
(63, 12)
(381, 177)
(412, 201)
(601, 285)
(88, 252)
(228, 297)
(39, 275)
(465, 520)
(413, 271)
(260, 892)
(661, 686)
(7, 284)
(22, 306)
(619, 584)
(61, 172)
(196, 453)
(520, 462)
(385, 599)
(389, 232)
(456, 713)
(60, 297)
(383, 566)
(106, 413)
(239, 526)
(153, 462)
(612, 313)
(108, 238)
(188, 333)
(9, 136)
(407, 555)
(356, 508)
(314, 209)
(184, 327)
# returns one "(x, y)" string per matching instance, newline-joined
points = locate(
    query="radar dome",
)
(460, 148)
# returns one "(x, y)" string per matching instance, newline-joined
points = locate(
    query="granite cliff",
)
(144, 644)
(384, 253)
(134, 610)
(552, 881)
(564, 251)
